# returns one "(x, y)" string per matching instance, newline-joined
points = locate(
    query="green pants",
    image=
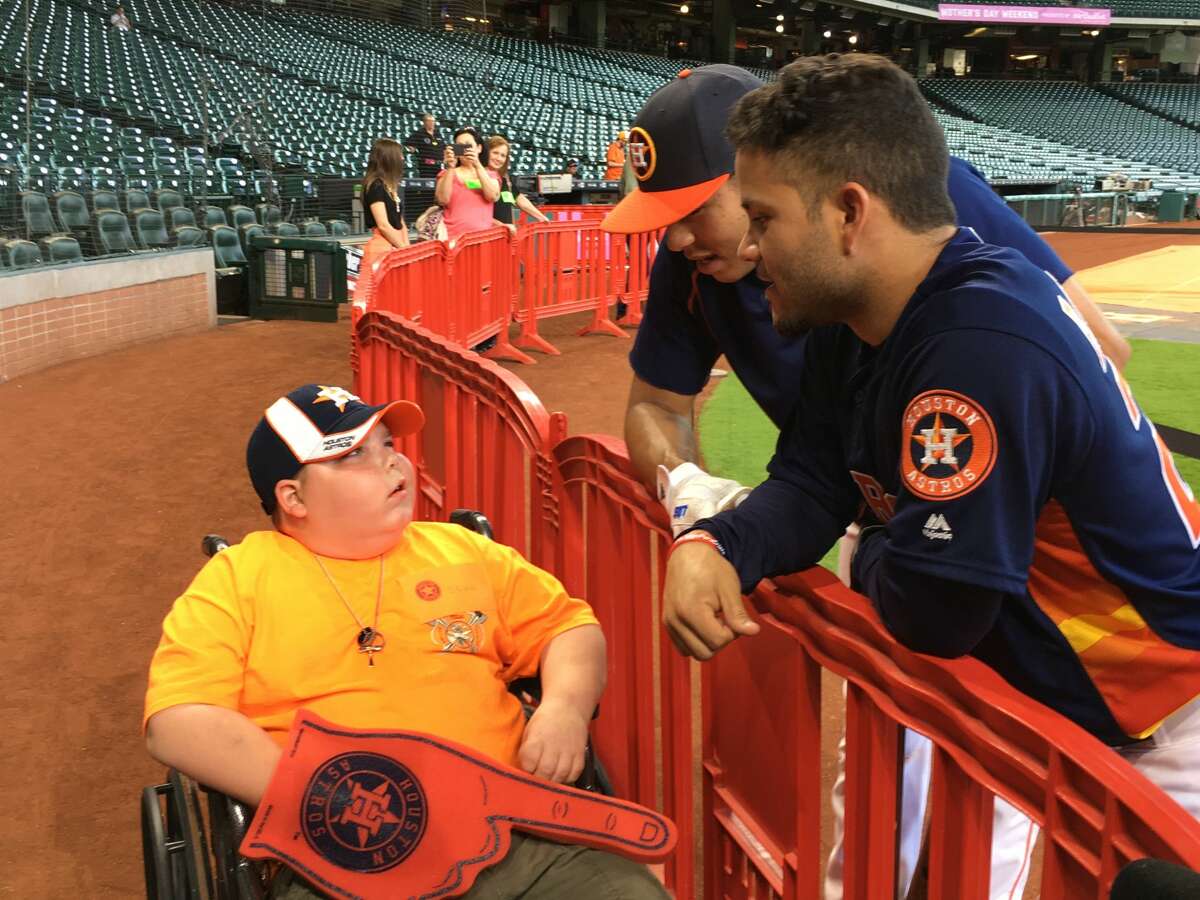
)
(535, 869)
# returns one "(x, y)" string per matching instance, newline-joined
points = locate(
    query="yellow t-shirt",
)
(261, 630)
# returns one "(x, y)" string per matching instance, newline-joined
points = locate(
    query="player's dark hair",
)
(856, 117)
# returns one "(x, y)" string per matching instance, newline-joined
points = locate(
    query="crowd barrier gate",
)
(729, 749)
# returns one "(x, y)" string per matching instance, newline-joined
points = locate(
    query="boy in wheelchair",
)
(350, 609)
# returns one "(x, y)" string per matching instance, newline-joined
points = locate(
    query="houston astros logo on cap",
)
(677, 148)
(364, 812)
(642, 155)
(950, 445)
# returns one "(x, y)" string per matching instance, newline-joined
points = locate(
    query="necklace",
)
(369, 638)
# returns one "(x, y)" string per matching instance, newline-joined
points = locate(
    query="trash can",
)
(1171, 205)
(297, 278)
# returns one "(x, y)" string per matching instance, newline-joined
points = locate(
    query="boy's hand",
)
(554, 743)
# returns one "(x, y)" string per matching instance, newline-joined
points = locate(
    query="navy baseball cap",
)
(677, 147)
(315, 423)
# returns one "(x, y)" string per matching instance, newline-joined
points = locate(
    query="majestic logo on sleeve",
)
(364, 812)
(642, 155)
(949, 445)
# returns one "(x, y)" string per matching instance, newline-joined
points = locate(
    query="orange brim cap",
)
(650, 210)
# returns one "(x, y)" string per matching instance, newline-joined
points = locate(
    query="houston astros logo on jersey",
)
(364, 812)
(949, 445)
(642, 155)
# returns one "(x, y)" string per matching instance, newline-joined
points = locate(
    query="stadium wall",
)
(53, 315)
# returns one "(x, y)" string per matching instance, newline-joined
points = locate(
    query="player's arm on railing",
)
(1114, 345)
(217, 746)
(573, 673)
(659, 429)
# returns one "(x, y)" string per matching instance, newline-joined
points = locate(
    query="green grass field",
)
(737, 439)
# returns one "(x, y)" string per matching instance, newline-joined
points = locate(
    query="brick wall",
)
(41, 333)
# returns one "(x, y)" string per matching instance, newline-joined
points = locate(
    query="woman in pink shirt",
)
(465, 189)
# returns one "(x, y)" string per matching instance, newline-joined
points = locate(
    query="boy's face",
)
(358, 505)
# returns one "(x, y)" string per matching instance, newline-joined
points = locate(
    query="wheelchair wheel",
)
(174, 848)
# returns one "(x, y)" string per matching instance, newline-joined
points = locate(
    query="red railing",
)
(470, 292)
(741, 735)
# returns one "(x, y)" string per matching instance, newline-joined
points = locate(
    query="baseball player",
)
(705, 301)
(350, 609)
(1016, 503)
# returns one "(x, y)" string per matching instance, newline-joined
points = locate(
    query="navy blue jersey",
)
(1000, 449)
(691, 319)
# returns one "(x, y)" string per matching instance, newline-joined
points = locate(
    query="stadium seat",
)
(150, 229)
(315, 229)
(102, 200)
(36, 212)
(112, 229)
(268, 214)
(338, 228)
(23, 254)
(72, 212)
(189, 236)
(287, 229)
(214, 215)
(241, 215)
(61, 249)
(249, 230)
(169, 199)
(227, 249)
(136, 200)
(180, 217)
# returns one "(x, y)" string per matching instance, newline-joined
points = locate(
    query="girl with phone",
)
(465, 189)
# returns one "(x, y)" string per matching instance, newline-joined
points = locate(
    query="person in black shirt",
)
(383, 208)
(504, 210)
(428, 147)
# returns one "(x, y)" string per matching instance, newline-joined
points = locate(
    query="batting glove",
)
(690, 494)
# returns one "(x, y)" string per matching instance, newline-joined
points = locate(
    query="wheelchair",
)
(190, 846)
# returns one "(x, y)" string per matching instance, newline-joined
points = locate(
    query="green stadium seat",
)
(214, 215)
(227, 249)
(150, 230)
(136, 200)
(23, 254)
(112, 230)
(102, 200)
(61, 249)
(241, 215)
(72, 212)
(189, 236)
(36, 212)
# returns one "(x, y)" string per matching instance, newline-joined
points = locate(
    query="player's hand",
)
(702, 601)
(690, 494)
(554, 743)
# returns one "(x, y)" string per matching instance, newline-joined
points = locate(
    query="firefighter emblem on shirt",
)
(949, 445)
(428, 590)
(458, 633)
(364, 812)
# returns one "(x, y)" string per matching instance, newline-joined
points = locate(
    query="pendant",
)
(370, 641)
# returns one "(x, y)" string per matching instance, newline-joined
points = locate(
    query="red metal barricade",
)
(567, 267)
(641, 250)
(486, 441)
(730, 750)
